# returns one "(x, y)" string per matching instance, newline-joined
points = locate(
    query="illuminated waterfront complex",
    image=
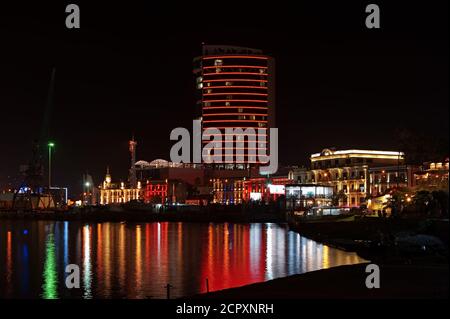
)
(349, 172)
(235, 89)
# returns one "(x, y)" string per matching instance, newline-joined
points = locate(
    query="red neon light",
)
(235, 66)
(262, 101)
(214, 121)
(247, 80)
(258, 57)
(232, 93)
(220, 114)
(244, 73)
(259, 128)
(227, 107)
(234, 87)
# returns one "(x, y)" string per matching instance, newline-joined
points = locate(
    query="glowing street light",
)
(50, 146)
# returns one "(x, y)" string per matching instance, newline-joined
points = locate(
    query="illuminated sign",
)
(255, 196)
(276, 189)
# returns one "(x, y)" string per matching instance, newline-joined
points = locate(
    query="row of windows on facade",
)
(232, 104)
(340, 162)
(353, 175)
(219, 62)
(222, 193)
(384, 179)
(236, 89)
(231, 83)
(258, 124)
(353, 188)
(228, 96)
(242, 117)
(241, 70)
(345, 175)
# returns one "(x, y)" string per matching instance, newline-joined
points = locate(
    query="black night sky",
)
(129, 70)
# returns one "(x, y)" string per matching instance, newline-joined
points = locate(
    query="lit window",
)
(218, 62)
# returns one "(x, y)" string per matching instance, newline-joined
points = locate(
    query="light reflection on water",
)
(129, 260)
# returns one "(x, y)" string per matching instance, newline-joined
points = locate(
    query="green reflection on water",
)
(50, 286)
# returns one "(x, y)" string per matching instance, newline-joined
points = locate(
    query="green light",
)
(51, 144)
(50, 286)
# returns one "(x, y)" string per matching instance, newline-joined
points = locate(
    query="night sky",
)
(128, 70)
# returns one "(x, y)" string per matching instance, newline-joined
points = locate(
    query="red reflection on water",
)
(226, 261)
(9, 258)
(148, 233)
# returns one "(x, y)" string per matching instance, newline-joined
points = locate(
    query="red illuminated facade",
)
(156, 192)
(235, 89)
(268, 189)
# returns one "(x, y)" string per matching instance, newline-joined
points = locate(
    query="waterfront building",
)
(300, 175)
(384, 178)
(265, 189)
(433, 175)
(160, 169)
(166, 192)
(118, 193)
(240, 186)
(228, 185)
(305, 196)
(347, 171)
(235, 88)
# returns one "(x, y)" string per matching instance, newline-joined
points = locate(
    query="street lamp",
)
(50, 146)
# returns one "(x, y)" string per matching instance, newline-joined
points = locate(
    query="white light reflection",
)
(269, 269)
(87, 271)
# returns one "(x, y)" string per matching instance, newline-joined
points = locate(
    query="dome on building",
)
(142, 163)
(159, 163)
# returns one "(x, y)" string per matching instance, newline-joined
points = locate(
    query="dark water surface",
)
(137, 260)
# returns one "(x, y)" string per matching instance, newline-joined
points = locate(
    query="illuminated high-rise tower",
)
(236, 89)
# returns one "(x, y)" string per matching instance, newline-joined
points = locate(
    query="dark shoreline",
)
(397, 281)
(140, 216)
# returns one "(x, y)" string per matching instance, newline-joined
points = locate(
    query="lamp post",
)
(50, 146)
